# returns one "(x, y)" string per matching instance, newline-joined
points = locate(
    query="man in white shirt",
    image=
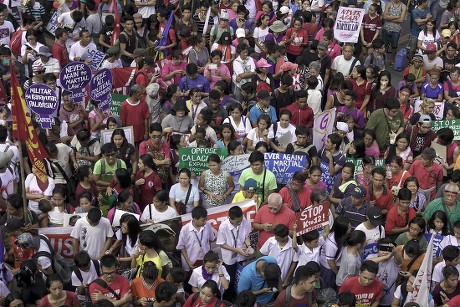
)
(51, 64)
(82, 47)
(73, 21)
(346, 62)
(6, 29)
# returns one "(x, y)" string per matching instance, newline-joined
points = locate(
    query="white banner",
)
(323, 126)
(422, 282)
(348, 24)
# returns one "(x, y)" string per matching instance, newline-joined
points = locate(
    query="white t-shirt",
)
(242, 129)
(157, 216)
(45, 262)
(52, 66)
(284, 257)
(409, 297)
(180, 196)
(87, 277)
(259, 35)
(77, 50)
(6, 29)
(33, 188)
(116, 64)
(255, 138)
(306, 255)
(341, 65)
(7, 179)
(146, 11)
(233, 236)
(437, 271)
(428, 39)
(314, 100)
(92, 238)
(129, 244)
(280, 131)
(197, 280)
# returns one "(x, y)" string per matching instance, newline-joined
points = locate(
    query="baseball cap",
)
(374, 214)
(262, 63)
(240, 33)
(284, 10)
(250, 184)
(139, 52)
(424, 118)
(341, 126)
(446, 33)
(287, 66)
(359, 192)
(430, 48)
(223, 15)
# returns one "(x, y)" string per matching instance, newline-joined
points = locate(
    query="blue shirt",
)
(200, 82)
(432, 92)
(251, 280)
(255, 112)
(416, 14)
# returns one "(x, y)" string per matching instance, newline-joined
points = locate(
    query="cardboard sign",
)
(71, 219)
(452, 124)
(74, 77)
(438, 111)
(100, 88)
(323, 126)
(196, 159)
(358, 163)
(115, 105)
(348, 24)
(284, 166)
(106, 135)
(43, 101)
(313, 217)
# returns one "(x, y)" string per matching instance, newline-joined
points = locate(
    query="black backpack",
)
(60, 266)
(78, 272)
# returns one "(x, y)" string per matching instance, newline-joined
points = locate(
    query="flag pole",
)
(23, 186)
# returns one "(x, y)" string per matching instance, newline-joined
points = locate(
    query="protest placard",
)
(106, 135)
(358, 163)
(284, 166)
(117, 216)
(100, 88)
(74, 77)
(436, 243)
(438, 111)
(43, 101)
(236, 164)
(348, 24)
(453, 124)
(323, 126)
(196, 159)
(97, 57)
(115, 105)
(313, 217)
(52, 24)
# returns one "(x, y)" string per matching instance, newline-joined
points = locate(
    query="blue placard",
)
(284, 165)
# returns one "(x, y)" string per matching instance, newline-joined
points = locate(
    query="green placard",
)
(452, 124)
(117, 100)
(358, 163)
(196, 159)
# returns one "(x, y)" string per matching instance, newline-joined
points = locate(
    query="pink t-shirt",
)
(168, 67)
(214, 78)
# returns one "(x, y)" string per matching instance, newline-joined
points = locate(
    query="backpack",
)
(97, 266)
(326, 297)
(16, 42)
(60, 266)
(262, 85)
(103, 170)
(400, 60)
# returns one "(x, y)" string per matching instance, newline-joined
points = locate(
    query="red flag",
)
(116, 30)
(23, 128)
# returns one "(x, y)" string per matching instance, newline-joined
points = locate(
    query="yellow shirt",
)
(240, 197)
(144, 258)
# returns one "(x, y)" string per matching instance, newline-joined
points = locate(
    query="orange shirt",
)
(139, 289)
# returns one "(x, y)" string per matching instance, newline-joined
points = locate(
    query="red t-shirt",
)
(394, 219)
(149, 188)
(293, 302)
(60, 53)
(361, 91)
(370, 26)
(385, 201)
(295, 47)
(141, 78)
(427, 178)
(364, 295)
(70, 300)
(285, 216)
(120, 286)
(304, 197)
(134, 115)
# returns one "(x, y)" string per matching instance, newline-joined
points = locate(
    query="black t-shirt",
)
(131, 43)
(107, 33)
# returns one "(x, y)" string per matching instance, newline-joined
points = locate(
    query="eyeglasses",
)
(109, 273)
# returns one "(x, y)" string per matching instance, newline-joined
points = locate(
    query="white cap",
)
(224, 14)
(240, 32)
(284, 10)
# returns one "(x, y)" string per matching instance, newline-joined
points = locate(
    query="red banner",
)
(313, 217)
(23, 128)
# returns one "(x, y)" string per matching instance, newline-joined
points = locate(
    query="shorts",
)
(390, 37)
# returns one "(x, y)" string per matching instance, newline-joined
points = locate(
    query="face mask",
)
(6, 62)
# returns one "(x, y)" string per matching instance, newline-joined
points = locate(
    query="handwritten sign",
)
(236, 164)
(74, 77)
(115, 105)
(100, 88)
(196, 159)
(348, 24)
(313, 217)
(43, 101)
(452, 124)
(283, 166)
(323, 126)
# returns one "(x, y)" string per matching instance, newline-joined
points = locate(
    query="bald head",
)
(275, 202)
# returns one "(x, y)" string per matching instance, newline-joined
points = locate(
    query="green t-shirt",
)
(436, 204)
(270, 181)
(381, 124)
(109, 170)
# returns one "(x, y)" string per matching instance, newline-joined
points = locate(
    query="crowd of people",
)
(249, 77)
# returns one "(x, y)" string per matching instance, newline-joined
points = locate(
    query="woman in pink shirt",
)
(173, 70)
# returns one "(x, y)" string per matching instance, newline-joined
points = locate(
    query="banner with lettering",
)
(436, 243)
(323, 126)
(62, 242)
(453, 124)
(196, 159)
(43, 101)
(313, 217)
(97, 57)
(348, 24)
